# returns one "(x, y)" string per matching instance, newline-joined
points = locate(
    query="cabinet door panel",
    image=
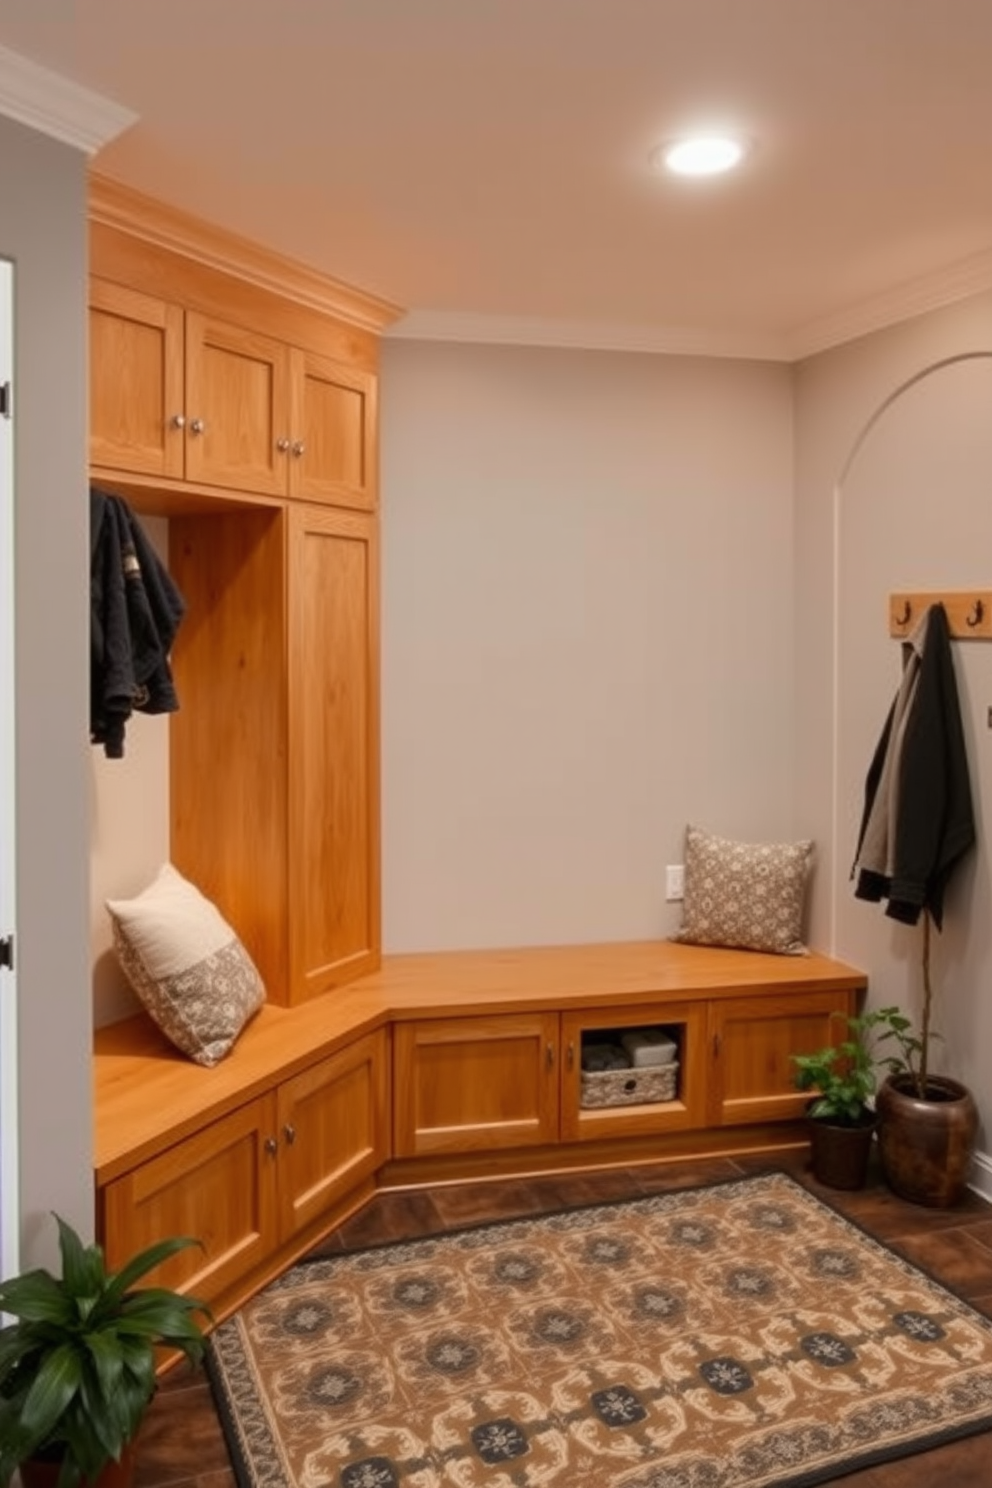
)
(237, 387)
(469, 1084)
(334, 748)
(217, 1186)
(334, 1127)
(136, 381)
(334, 420)
(751, 1043)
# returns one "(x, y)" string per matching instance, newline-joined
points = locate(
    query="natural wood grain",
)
(237, 387)
(218, 1187)
(335, 418)
(465, 1084)
(187, 237)
(334, 748)
(429, 984)
(751, 1076)
(136, 381)
(333, 1121)
(687, 1111)
(228, 744)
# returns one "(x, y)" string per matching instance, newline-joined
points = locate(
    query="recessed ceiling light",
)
(700, 154)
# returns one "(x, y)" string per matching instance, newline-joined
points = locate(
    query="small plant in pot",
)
(841, 1118)
(927, 1123)
(77, 1366)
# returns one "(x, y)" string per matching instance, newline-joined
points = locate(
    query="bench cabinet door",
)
(752, 1039)
(333, 1130)
(219, 1186)
(476, 1084)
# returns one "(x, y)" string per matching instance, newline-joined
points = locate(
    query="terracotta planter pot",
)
(840, 1153)
(926, 1145)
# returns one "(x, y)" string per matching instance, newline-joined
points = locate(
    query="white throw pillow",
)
(187, 965)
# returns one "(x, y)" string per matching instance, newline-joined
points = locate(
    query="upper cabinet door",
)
(333, 447)
(237, 407)
(136, 381)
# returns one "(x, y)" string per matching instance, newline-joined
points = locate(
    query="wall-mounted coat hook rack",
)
(969, 612)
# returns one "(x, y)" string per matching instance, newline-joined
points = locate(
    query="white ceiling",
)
(483, 163)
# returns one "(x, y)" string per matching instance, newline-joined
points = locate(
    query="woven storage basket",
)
(629, 1087)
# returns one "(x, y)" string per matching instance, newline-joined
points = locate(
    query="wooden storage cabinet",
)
(472, 1084)
(750, 1074)
(254, 1182)
(274, 753)
(193, 398)
(333, 748)
(333, 1130)
(686, 1111)
(136, 381)
(475, 1084)
(218, 1186)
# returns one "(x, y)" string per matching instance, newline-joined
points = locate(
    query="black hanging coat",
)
(135, 610)
(918, 818)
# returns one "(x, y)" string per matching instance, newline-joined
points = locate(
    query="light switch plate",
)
(674, 881)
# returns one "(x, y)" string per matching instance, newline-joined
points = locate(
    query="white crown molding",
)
(970, 277)
(53, 104)
(931, 292)
(499, 330)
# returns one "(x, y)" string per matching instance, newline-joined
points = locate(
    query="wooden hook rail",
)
(969, 612)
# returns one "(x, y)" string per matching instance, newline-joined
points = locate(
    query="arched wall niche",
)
(913, 511)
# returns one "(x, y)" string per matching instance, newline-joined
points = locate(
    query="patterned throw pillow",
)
(186, 964)
(745, 894)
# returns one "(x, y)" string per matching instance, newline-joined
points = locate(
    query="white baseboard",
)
(980, 1180)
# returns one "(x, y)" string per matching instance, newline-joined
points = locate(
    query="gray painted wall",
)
(587, 634)
(43, 230)
(893, 478)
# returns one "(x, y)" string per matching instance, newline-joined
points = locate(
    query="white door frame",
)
(9, 1146)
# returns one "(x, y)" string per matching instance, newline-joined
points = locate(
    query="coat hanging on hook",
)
(917, 820)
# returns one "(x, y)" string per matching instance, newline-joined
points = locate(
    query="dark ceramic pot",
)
(840, 1153)
(43, 1472)
(926, 1146)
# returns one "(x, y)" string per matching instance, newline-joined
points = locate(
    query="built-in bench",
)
(439, 1066)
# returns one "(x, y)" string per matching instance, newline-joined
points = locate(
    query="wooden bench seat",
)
(440, 1065)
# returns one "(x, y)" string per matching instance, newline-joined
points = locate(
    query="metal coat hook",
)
(907, 614)
(974, 615)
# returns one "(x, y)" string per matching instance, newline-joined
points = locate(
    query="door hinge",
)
(7, 951)
(5, 400)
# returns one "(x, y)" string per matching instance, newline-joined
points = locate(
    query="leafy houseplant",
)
(77, 1366)
(841, 1117)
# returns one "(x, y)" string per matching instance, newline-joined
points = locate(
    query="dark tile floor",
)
(182, 1444)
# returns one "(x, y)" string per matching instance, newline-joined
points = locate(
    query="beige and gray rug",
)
(737, 1336)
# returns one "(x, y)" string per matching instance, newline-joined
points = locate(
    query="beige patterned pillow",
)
(745, 894)
(186, 964)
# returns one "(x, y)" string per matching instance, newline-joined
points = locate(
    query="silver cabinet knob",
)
(197, 426)
(179, 421)
(289, 1132)
(271, 1146)
(282, 445)
(299, 448)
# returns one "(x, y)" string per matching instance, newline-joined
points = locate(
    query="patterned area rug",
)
(742, 1334)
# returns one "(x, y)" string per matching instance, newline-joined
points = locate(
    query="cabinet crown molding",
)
(113, 204)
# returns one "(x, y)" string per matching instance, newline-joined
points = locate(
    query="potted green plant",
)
(841, 1115)
(927, 1123)
(77, 1365)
